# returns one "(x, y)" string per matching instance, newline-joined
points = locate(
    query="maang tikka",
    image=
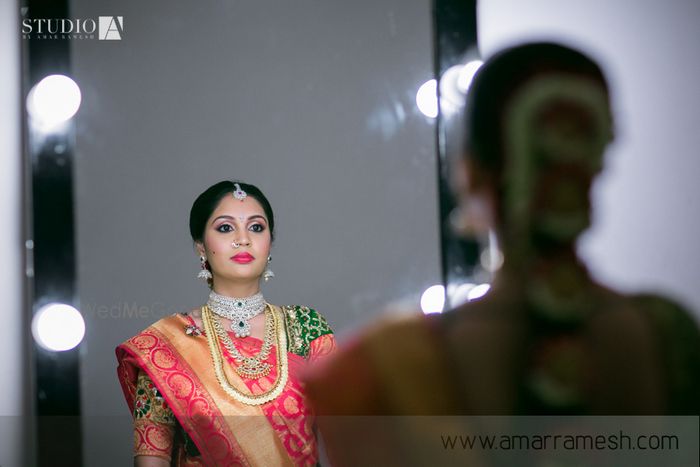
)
(204, 274)
(238, 192)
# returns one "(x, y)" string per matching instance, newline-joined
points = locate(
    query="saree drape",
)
(227, 432)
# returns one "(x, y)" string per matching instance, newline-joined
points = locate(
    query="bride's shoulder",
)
(304, 324)
(167, 322)
(194, 312)
(175, 319)
(304, 315)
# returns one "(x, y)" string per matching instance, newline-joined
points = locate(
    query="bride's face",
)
(237, 240)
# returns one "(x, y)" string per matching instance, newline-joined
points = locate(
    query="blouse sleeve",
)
(308, 332)
(154, 422)
(321, 347)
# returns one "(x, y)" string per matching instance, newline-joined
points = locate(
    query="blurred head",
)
(537, 124)
(234, 235)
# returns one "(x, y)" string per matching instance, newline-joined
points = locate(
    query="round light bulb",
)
(53, 100)
(58, 327)
(426, 98)
(461, 293)
(466, 75)
(478, 291)
(433, 299)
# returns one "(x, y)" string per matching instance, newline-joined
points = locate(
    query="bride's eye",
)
(224, 228)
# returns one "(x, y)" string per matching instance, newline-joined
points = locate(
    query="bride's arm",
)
(154, 425)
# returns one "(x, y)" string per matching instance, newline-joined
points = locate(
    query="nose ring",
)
(235, 244)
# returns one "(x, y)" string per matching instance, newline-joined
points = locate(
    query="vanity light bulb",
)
(466, 75)
(478, 291)
(53, 100)
(433, 299)
(426, 98)
(57, 327)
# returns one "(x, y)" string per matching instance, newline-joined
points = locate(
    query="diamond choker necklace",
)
(238, 310)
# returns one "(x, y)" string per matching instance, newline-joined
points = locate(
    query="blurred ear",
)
(459, 178)
(469, 179)
(473, 192)
(199, 246)
(478, 179)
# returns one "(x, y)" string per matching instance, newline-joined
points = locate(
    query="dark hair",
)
(206, 203)
(499, 78)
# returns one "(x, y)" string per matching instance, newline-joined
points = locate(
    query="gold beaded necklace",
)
(254, 366)
(277, 329)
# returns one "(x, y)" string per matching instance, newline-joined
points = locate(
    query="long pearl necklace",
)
(277, 327)
(239, 310)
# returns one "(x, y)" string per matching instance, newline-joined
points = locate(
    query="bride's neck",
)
(237, 290)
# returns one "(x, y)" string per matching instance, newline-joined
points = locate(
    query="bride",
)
(220, 384)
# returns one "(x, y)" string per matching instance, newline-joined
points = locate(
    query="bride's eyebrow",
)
(222, 217)
(254, 216)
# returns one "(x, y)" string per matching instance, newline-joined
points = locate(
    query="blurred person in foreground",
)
(547, 339)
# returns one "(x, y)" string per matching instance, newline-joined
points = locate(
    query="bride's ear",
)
(199, 248)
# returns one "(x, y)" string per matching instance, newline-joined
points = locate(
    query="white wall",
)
(646, 214)
(11, 344)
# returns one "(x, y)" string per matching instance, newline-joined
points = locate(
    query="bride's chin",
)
(233, 277)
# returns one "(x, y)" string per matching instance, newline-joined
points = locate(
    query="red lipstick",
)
(243, 258)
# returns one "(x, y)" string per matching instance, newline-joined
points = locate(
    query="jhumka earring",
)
(204, 274)
(268, 274)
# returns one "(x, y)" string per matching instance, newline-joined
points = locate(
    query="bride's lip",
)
(243, 258)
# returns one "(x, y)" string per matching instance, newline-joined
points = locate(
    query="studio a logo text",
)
(106, 28)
